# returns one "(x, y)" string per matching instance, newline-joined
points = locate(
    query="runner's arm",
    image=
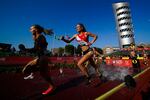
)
(94, 37)
(68, 40)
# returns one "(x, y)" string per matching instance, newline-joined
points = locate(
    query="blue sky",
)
(17, 16)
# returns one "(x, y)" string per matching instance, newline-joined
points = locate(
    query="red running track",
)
(69, 87)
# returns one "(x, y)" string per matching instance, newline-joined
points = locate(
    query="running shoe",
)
(29, 76)
(48, 91)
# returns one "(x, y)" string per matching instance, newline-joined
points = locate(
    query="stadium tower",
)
(124, 24)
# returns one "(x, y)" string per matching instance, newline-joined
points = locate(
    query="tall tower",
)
(123, 23)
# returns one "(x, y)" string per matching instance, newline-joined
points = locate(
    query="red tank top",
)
(82, 38)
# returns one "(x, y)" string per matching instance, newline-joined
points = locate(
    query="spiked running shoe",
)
(29, 76)
(48, 91)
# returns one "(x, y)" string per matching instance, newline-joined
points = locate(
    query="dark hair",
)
(41, 29)
(84, 29)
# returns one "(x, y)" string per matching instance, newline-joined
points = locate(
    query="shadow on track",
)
(71, 83)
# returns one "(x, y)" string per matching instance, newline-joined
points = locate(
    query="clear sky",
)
(16, 17)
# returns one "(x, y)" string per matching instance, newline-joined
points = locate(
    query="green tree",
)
(69, 49)
(60, 51)
(78, 50)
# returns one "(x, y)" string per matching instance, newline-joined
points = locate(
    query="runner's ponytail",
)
(45, 31)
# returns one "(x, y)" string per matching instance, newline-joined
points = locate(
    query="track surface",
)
(70, 86)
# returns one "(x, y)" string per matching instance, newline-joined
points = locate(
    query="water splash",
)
(112, 72)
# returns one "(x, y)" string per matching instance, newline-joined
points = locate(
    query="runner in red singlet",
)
(82, 38)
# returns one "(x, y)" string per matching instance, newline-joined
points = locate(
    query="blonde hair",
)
(45, 31)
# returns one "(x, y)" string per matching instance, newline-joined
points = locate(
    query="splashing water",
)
(112, 72)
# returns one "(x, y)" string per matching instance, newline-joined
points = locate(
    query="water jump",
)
(89, 57)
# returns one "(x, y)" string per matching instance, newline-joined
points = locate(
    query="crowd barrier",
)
(13, 60)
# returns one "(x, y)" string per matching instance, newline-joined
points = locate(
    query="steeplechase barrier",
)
(117, 88)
